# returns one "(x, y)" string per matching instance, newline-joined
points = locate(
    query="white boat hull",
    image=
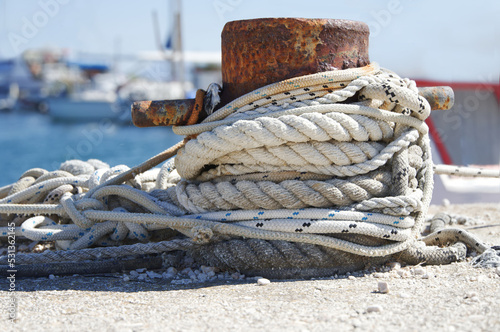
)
(75, 110)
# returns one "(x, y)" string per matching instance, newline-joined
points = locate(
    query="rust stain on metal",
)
(197, 113)
(259, 52)
(180, 112)
(162, 112)
(439, 97)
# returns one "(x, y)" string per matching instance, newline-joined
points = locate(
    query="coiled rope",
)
(339, 160)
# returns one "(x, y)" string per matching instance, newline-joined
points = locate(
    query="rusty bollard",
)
(259, 52)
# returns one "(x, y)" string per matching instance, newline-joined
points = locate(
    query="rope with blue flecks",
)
(300, 160)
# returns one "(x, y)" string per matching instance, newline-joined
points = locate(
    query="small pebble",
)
(395, 265)
(404, 295)
(446, 202)
(378, 275)
(134, 274)
(403, 273)
(351, 277)
(52, 277)
(126, 278)
(419, 271)
(153, 274)
(263, 282)
(208, 269)
(383, 287)
(374, 308)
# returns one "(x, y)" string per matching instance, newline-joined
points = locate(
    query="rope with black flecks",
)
(293, 161)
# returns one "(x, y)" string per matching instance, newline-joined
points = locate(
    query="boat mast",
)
(178, 54)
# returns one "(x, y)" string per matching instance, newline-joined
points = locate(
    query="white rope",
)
(42, 188)
(289, 161)
(466, 171)
(192, 168)
(291, 194)
(294, 83)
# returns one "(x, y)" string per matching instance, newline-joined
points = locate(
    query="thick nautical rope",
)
(300, 160)
(301, 134)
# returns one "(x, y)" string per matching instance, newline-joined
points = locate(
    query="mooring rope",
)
(303, 160)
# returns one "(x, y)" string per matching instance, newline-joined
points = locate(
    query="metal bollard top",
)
(263, 51)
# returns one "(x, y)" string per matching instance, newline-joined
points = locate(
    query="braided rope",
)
(104, 252)
(290, 194)
(192, 169)
(288, 162)
(295, 83)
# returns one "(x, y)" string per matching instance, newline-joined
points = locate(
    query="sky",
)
(441, 40)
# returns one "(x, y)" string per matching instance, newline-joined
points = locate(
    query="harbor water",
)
(29, 140)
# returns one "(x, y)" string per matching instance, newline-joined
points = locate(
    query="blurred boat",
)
(106, 99)
(90, 87)
(87, 106)
(8, 97)
(89, 101)
(31, 76)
